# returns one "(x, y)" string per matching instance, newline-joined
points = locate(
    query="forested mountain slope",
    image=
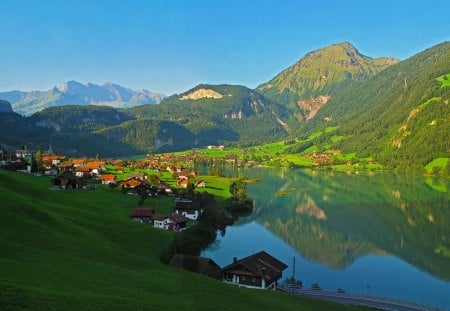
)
(401, 116)
(221, 113)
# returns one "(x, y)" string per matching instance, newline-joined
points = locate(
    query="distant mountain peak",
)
(76, 93)
(319, 73)
(66, 86)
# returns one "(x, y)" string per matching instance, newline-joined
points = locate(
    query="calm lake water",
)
(379, 234)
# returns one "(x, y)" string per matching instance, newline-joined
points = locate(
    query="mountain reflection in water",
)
(334, 219)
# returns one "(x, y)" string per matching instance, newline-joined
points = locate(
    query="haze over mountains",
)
(394, 111)
(76, 93)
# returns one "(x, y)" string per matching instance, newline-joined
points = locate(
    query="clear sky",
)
(170, 46)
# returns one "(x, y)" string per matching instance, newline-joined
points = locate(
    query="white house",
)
(161, 221)
(188, 209)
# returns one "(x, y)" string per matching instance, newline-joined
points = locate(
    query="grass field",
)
(439, 163)
(444, 80)
(78, 250)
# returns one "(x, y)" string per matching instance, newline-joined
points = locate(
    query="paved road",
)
(359, 300)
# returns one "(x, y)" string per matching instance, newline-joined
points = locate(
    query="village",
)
(169, 175)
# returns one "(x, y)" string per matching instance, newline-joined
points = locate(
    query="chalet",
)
(117, 162)
(200, 184)
(185, 173)
(78, 162)
(183, 182)
(130, 183)
(23, 154)
(7, 157)
(49, 161)
(172, 222)
(200, 265)
(161, 221)
(177, 223)
(142, 214)
(96, 167)
(108, 179)
(164, 188)
(67, 166)
(66, 180)
(138, 176)
(80, 171)
(174, 168)
(188, 209)
(259, 270)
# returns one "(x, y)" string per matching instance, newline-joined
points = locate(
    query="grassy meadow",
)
(78, 250)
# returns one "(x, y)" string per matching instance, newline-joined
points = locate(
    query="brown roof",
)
(187, 205)
(261, 264)
(140, 176)
(177, 219)
(66, 164)
(131, 183)
(83, 169)
(160, 217)
(142, 212)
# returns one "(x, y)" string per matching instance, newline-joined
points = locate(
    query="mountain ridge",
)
(75, 93)
(320, 74)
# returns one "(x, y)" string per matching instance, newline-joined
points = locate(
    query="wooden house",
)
(200, 184)
(183, 182)
(66, 180)
(143, 215)
(177, 223)
(138, 176)
(172, 222)
(80, 171)
(259, 270)
(108, 179)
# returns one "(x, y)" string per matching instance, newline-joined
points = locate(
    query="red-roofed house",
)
(80, 171)
(108, 179)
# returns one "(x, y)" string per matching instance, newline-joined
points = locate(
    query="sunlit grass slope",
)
(78, 250)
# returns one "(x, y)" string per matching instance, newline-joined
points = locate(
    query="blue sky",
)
(170, 46)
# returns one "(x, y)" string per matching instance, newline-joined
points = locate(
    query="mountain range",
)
(76, 93)
(394, 111)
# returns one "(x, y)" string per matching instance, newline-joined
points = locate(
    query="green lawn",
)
(78, 250)
(444, 80)
(440, 163)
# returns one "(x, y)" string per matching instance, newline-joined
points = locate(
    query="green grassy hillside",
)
(401, 116)
(77, 250)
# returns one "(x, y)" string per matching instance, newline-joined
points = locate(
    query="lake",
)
(378, 233)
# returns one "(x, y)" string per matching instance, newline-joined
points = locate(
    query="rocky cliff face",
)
(202, 93)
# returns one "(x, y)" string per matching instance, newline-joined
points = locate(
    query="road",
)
(359, 300)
